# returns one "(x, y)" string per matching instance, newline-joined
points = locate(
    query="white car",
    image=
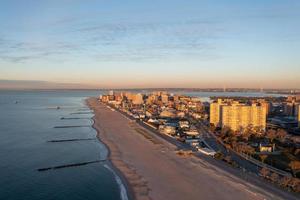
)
(206, 151)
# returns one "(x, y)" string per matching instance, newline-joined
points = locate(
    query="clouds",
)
(105, 40)
(117, 41)
(152, 41)
(22, 51)
(33, 84)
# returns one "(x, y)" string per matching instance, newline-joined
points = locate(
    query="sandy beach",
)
(153, 170)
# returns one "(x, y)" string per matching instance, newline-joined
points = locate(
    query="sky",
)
(157, 43)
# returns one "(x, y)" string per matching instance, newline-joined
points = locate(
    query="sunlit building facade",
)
(299, 116)
(138, 99)
(215, 111)
(237, 116)
(164, 98)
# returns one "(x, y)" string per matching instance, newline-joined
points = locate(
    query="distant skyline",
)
(151, 44)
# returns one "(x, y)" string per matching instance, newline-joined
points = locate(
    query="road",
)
(246, 162)
(213, 143)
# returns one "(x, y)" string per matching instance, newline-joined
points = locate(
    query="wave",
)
(123, 192)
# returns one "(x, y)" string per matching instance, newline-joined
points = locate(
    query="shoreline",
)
(151, 169)
(136, 186)
(116, 172)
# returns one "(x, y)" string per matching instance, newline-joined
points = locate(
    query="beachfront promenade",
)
(153, 170)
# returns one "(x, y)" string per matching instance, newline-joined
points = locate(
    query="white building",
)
(111, 93)
(184, 124)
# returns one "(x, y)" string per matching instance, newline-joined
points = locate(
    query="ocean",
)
(35, 135)
(27, 127)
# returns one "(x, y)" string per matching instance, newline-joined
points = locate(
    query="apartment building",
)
(236, 115)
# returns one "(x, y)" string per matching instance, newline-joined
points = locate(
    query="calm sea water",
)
(26, 128)
(204, 96)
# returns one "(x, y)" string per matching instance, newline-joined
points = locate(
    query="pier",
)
(69, 165)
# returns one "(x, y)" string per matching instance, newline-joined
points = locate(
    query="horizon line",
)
(156, 88)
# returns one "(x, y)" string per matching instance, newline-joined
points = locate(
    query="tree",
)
(297, 151)
(219, 155)
(257, 129)
(233, 144)
(281, 134)
(274, 177)
(247, 132)
(250, 150)
(244, 148)
(246, 135)
(212, 128)
(285, 181)
(239, 147)
(226, 140)
(264, 172)
(233, 138)
(295, 166)
(271, 134)
(226, 131)
(263, 157)
(295, 184)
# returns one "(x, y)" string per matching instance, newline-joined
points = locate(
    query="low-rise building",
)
(184, 124)
(192, 134)
(168, 113)
(180, 114)
(138, 99)
(165, 98)
(167, 129)
(266, 147)
(291, 108)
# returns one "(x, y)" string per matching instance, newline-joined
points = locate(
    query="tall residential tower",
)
(236, 115)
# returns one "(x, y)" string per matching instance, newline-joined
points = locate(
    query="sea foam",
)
(123, 192)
